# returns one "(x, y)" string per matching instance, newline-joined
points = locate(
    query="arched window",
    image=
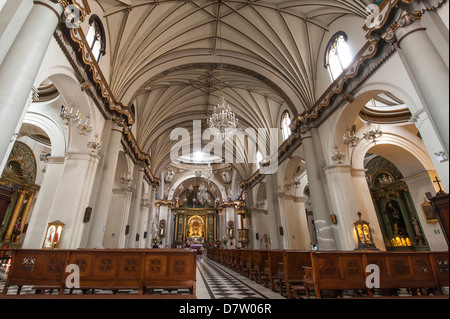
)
(337, 55)
(96, 37)
(285, 125)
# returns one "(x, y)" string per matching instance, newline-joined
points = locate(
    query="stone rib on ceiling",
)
(282, 37)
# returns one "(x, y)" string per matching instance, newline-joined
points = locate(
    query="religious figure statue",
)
(195, 229)
(17, 229)
(230, 229)
(398, 222)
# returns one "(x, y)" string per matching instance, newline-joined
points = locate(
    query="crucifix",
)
(438, 181)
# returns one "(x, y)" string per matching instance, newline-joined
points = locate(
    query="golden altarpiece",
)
(394, 206)
(195, 217)
(19, 177)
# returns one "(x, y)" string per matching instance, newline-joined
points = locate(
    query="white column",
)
(325, 236)
(343, 204)
(282, 220)
(151, 213)
(133, 220)
(250, 222)
(272, 210)
(433, 145)
(303, 238)
(101, 209)
(430, 73)
(72, 193)
(37, 226)
(365, 203)
(21, 64)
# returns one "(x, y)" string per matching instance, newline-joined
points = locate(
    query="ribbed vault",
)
(171, 58)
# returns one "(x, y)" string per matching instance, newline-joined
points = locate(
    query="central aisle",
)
(215, 281)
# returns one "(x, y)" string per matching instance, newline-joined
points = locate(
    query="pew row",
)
(329, 274)
(339, 271)
(108, 269)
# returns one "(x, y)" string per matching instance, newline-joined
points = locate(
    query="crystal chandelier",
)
(223, 122)
(337, 155)
(203, 195)
(372, 133)
(350, 137)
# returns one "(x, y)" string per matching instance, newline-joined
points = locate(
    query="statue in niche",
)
(230, 229)
(399, 226)
(162, 228)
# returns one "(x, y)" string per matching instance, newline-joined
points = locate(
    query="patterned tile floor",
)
(223, 283)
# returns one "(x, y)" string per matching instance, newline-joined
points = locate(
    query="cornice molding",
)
(92, 82)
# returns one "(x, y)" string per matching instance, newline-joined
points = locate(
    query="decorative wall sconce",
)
(372, 133)
(337, 155)
(127, 180)
(350, 137)
(85, 128)
(69, 117)
(95, 144)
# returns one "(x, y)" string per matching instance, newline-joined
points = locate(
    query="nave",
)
(218, 282)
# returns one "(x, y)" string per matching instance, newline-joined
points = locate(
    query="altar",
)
(195, 226)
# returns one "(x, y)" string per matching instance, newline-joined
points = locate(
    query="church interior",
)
(210, 149)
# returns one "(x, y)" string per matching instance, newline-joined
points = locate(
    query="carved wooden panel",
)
(105, 269)
(84, 261)
(352, 268)
(155, 265)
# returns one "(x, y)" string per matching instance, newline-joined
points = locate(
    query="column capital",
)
(405, 23)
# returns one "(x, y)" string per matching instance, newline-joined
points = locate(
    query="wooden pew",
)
(109, 269)
(411, 270)
(253, 264)
(245, 263)
(338, 271)
(260, 265)
(274, 260)
(236, 261)
(294, 262)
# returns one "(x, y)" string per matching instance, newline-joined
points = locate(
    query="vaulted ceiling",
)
(172, 59)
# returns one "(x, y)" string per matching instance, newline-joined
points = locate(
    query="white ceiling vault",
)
(171, 58)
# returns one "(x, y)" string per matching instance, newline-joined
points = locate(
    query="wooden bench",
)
(275, 257)
(259, 268)
(245, 263)
(338, 271)
(293, 271)
(109, 269)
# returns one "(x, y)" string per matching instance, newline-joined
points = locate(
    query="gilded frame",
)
(428, 211)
